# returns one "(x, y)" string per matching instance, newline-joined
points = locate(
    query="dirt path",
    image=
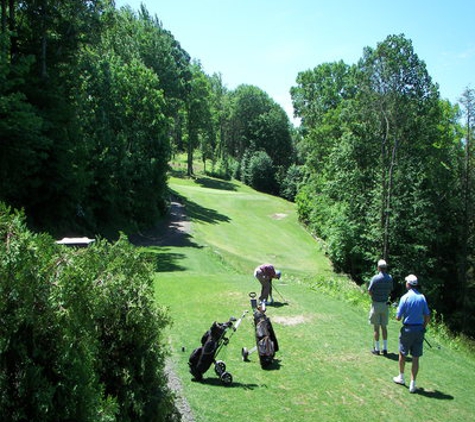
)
(172, 231)
(174, 383)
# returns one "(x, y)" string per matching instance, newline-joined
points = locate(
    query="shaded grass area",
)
(324, 370)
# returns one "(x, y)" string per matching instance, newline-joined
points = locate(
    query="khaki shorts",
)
(379, 314)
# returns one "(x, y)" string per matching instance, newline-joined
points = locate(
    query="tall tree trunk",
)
(4, 16)
(384, 190)
(12, 27)
(190, 144)
(468, 101)
(389, 199)
(44, 40)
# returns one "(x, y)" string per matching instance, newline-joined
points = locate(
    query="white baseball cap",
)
(411, 279)
(382, 263)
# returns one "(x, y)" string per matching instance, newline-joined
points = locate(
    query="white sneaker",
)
(412, 387)
(399, 380)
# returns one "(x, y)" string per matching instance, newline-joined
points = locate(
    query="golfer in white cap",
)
(414, 313)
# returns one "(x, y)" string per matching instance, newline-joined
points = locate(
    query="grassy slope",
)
(324, 370)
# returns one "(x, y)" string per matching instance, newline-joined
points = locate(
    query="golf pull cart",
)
(212, 342)
(266, 341)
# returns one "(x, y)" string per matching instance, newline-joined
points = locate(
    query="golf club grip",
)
(238, 323)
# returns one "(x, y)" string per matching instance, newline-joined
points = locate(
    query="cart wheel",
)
(219, 367)
(226, 378)
(245, 354)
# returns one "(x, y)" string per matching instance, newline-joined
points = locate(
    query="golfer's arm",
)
(426, 320)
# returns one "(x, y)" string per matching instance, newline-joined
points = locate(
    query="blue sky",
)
(266, 43)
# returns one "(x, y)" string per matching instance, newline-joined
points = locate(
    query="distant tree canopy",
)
(94, 102)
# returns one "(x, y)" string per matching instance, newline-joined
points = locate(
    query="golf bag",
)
(266, 341)
(205, 355)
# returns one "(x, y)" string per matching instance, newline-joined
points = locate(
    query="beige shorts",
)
(379, 313)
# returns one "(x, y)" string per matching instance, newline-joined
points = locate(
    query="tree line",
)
(388, 169)
(95, 101)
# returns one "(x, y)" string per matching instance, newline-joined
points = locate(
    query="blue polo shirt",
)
(412, 308)
(381, 286)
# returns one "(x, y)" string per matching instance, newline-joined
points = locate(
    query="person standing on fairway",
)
(380, 287)
(265, 273)
(415, 315)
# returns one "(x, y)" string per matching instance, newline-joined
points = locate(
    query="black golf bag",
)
(266, 341)
(211, 343)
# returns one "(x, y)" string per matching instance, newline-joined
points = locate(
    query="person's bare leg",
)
(414, 368)
(376, 333)
(384, 331)
(402, 363)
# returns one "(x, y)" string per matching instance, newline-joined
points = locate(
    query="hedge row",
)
(80, 331)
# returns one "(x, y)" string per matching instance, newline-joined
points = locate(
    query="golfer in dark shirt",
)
(379, 289)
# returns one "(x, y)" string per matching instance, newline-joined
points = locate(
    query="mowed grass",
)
(324, 370)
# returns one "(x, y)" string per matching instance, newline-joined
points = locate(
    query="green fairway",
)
(324, 370)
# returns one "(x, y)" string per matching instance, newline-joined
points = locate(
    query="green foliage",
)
(80, 332)
(262, 173)
(129, 324)
(382, 157)
(127, 140)
(23, 146)
(289, 184)
(221, 169)
(256, 122)
(90, 102)
(48, 348)
(198, 117)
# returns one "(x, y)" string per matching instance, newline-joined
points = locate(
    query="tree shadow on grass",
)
(174, 231)
(165, 261)
(172, 238)
(207, 182)
(192, 211)
(196, 212)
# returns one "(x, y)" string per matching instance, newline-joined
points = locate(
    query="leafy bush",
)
(290, 183)
(80, 333)
(260, 173)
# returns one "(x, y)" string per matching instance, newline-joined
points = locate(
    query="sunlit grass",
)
(324, 371)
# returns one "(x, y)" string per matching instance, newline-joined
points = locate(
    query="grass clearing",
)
(324, 370)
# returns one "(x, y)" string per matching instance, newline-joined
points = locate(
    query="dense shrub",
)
(260, 173)
(289, 185)
(80, 333)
